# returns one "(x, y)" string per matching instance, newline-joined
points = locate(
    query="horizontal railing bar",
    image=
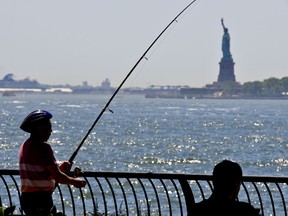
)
(129, 192)
(278, 179)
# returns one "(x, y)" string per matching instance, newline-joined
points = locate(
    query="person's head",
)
(227, 178)
(38, 124)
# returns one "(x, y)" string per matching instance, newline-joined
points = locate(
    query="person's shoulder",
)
(201, 208)
(208, 207)
(247, 208)
(201, 204)
(46, 148)
(244, 205)
(47, 145)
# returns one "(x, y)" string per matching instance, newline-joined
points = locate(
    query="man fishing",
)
(39, 170)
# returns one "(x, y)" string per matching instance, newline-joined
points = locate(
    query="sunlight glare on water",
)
(155, 135)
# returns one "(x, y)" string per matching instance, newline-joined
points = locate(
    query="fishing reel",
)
(77, 171)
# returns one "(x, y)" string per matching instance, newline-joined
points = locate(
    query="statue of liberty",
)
(226, 42)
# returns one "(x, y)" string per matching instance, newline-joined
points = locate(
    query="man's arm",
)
(62, 178)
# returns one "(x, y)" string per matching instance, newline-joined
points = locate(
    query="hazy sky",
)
(71, 41)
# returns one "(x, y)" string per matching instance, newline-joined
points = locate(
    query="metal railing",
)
(121, 193)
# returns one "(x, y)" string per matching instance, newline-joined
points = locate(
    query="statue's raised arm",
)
(222, 22)
(225, 42)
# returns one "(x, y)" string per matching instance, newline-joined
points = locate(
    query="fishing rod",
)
(122, 83)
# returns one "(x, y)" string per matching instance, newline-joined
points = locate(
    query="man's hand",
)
(78, 183)
(65, 166)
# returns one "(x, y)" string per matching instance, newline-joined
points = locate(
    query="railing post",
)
(188, 194)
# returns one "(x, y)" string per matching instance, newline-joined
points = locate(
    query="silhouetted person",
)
(223, 201)
(39, 170)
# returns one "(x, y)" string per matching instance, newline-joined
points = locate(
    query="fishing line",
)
(106, 107)
(147, 57)
(152, 51)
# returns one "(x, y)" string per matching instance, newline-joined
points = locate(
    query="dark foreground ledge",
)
(123, 193)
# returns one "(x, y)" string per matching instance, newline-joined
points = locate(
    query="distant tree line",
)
(271, 87)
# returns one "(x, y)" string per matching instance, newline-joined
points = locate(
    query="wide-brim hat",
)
(35, 118)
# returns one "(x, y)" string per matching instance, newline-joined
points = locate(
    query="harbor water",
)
(154, 135)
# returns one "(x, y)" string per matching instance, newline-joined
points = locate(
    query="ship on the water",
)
(9, 85)
(9, 82)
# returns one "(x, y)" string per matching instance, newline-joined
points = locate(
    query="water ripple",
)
(150, 135)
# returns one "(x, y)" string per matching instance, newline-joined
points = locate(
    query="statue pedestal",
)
(226, 70)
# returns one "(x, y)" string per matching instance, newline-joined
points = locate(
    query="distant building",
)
(85, 83)
(105, 88)
(106, 84)
(155, 91)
